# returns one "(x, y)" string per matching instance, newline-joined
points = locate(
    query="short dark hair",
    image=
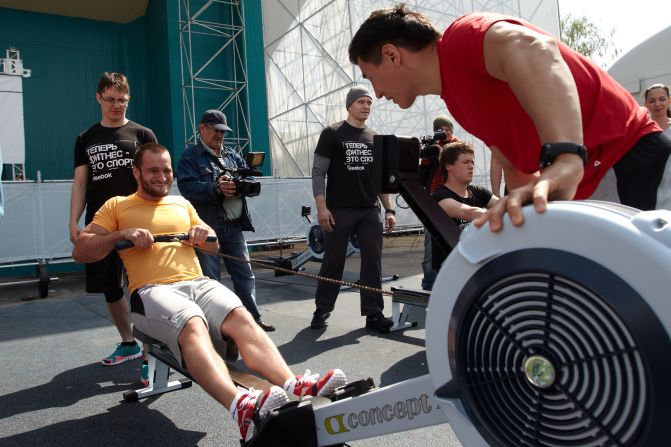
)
(116, 80)
(451, 153)
(147, 147)
(395, 25)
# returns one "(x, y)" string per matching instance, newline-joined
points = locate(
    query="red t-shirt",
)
(486, 107)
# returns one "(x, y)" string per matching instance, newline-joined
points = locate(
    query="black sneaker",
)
(319, 319)
(379, 322)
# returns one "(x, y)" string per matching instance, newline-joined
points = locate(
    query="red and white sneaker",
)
(311, 385)
(256, 401)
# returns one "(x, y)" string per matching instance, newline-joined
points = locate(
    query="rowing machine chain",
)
(293, 272)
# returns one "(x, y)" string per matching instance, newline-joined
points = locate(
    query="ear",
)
(99, 98)
(391, 53)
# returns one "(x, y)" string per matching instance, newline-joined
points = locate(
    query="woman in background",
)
(656, 100)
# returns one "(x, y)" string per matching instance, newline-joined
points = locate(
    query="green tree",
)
(582, 35)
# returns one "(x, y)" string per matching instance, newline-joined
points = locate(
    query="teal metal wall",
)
(67, 56)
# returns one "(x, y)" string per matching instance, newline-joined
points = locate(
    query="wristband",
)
(392, 212)
(550, 151)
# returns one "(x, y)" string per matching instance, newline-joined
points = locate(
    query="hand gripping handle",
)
(122, 245)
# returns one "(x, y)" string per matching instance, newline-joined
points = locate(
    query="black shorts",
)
(639, 173)
(105, 276)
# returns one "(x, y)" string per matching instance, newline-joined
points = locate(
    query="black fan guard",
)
(316, 239)
(609, 351)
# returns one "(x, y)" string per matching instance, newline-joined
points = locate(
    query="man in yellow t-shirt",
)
(172, 301)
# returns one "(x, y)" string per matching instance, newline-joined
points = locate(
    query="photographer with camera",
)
(432, 177)
(210, 176)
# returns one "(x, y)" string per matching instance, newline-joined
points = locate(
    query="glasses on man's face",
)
(111, 101)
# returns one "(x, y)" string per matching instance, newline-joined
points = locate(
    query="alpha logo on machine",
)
(402, 409)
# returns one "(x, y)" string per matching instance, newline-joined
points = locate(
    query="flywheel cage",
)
(543, 360)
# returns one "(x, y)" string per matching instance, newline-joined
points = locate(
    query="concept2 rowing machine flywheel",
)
(558, 332)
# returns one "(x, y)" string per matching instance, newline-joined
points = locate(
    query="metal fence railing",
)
(35, 226)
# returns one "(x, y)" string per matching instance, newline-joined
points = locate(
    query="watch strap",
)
(551, 150)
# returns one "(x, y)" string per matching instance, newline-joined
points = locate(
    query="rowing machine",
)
(402, 301)
(537, 340)
(315, 250)
(315, 247)
(554, 333)
(161, 360)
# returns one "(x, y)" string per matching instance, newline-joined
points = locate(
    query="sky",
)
(633, 22)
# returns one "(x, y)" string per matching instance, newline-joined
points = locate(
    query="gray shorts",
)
(162, 310)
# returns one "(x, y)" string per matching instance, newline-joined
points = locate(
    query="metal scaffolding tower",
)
(213, 66)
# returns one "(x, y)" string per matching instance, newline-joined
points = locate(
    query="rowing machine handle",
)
(122, 245)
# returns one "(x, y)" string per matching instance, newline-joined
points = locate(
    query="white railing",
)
(35, 225)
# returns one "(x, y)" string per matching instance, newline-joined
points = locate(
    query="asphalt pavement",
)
(55, 392)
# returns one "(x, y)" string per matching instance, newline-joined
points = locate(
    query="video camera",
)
(243, 186)
(395, 171)
(427, 144)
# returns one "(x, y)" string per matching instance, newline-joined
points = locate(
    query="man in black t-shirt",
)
(104, 169)
(348, 205)
(461, 201)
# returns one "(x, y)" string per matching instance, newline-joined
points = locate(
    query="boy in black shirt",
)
(461, 201)
(104, 169)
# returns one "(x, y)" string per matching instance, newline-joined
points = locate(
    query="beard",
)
(155, 191)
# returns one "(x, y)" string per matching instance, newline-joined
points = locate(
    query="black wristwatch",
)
(389, 211)
(550, 151)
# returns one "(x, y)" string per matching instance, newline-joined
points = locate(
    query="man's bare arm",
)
(495, 175)
(389, 219)
(198, 236)
(319, 169)
(531, 64)
(77, 199)
(94, 243)
(458, 210)
(514, 177)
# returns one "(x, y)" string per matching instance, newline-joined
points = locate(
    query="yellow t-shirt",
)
(163, 262)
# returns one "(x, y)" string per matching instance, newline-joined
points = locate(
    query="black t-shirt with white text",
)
(109, 152)
(477, 196)
(350, 174)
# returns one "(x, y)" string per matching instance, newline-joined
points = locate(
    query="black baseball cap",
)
(215, 118)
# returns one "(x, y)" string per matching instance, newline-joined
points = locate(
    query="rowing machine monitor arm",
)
(395, 170)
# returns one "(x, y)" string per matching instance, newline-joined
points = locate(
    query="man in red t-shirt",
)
(532, 100)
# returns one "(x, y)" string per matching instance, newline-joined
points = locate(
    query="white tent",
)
(648, 63)
(308, 72)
